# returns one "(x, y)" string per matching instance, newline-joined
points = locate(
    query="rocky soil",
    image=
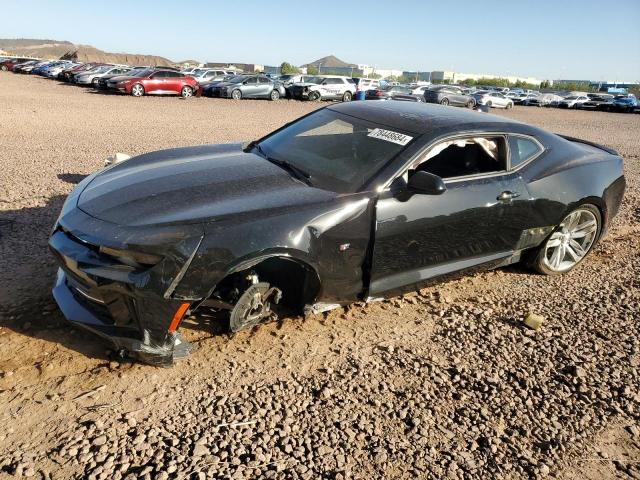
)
(441, 383)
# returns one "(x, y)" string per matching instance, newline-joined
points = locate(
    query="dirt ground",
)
(441, 383)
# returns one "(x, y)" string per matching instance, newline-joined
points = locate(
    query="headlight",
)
(128, 257)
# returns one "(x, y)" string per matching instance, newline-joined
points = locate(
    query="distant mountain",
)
(51, 49)
(328, 62)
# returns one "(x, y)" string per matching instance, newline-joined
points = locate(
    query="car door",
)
(477, 221)
(155, 83)
(264, 87)
(250, 87)
(173, 82)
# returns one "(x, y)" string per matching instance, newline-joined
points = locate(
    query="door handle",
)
(507, 196)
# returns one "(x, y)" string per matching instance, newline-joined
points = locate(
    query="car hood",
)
(194, 185)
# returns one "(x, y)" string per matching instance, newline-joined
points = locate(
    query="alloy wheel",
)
(571, 242)
(137, 90)
(186, 92)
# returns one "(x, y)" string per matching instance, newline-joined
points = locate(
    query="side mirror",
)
(426, 183)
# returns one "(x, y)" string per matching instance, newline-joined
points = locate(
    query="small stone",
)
(533, 321)
(544, 469)
(98, 441)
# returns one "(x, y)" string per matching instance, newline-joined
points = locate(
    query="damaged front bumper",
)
(124, 332)
(129, 305)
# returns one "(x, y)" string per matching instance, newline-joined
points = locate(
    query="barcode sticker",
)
(389, 136)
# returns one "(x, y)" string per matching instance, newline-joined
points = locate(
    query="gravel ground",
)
(442, 383)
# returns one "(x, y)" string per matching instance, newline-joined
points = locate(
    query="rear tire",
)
(274, 95)
(347, 97)
(509, 106)
(444, 101)
(186, 92)
(94, 83)
(236, 95)
(570, 242)
(137, 90)
(489, 104)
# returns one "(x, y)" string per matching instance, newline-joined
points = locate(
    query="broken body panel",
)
(203, 213)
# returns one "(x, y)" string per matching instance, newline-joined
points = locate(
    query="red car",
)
(157, 82)
(7, 65)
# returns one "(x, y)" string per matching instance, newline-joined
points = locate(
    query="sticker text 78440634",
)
(389, 136)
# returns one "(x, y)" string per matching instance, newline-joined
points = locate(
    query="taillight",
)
(379, 93)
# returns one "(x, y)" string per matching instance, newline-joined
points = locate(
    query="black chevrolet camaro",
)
(351, 202)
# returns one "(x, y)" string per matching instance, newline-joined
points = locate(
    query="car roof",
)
(424, 118)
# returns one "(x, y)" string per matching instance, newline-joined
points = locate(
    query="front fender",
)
(332, 238)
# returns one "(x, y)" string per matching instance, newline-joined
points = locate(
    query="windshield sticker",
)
(390, 136)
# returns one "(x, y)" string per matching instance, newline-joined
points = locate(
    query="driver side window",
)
(464, 157)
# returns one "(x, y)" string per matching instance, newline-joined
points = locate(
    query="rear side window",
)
(464, 157)
(264, 80)
(522, 149)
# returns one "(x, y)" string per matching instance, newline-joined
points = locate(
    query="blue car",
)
(42, 69)
(625, 104)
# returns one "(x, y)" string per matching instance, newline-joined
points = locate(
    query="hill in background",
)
(51, 49)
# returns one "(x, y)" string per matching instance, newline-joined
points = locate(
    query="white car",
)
(364, 84)
(325, 87)
(54, 71)
(210, 75)
(573, 101)
(419, 89)
(492, 99)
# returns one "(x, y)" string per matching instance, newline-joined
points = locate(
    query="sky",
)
(560, 39)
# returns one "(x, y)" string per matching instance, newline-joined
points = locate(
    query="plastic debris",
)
(533, 321)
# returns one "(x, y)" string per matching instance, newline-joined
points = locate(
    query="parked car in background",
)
(9, 63)
(544, 100)
(103, 81)
(624, 103)
(419, 89)
(572, 101)
(325, 87)
(17, 68)
(67, 75)
(92, 77)
(365, 84)
(157, 82)
(54, 71)
(42, 68)
(248, 86)
(524, 98)
(395, 92)
(492, 99)
(31, 67)
(597, 102)
(449, 95)
(210, 75)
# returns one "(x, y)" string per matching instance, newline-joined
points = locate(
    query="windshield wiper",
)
(297, 172)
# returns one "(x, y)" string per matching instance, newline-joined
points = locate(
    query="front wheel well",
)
(298, 281)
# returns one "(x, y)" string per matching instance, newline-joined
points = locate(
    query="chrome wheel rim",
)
(137, 90)
(186, 92)
(236, 95)
(274, 95)
(571, 242)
